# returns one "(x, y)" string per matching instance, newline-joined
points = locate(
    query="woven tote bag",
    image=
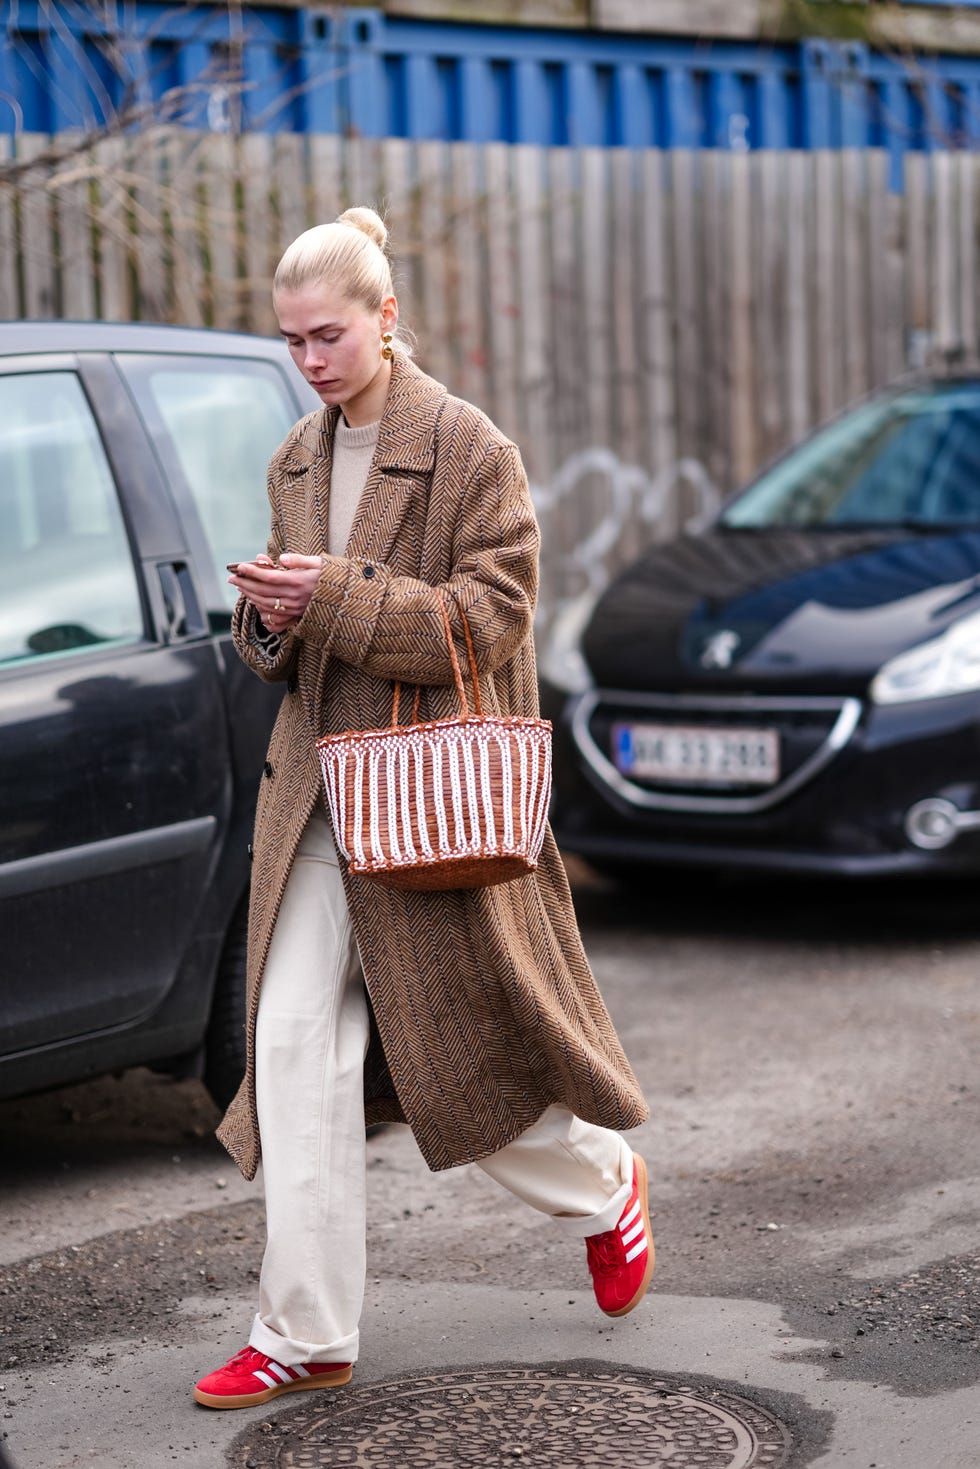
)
(455, 803)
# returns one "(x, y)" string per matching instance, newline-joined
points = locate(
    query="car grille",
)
(810, 731)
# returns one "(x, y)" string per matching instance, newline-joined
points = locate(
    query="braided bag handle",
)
(457, 675)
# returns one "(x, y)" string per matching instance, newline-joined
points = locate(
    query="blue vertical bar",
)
(726, 101)
(773, 105)
(936, 116)
(683, 110)
(583, 112)
(818, 120)
(971, 115)
(194, 67)
(423, 94)
(532, 104)
(72, 102)
(897, 125)
(478, 101)
(266, 85)
(632, 112)
(854, 99)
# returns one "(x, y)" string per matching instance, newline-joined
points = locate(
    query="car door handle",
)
(182, 612)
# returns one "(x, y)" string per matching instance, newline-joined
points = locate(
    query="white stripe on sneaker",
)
(631, 1234)
(636, 1250)
(301, 1371)
(284, 1374)
(628, 1219)
(264, 1377)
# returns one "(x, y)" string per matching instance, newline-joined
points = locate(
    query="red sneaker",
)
(621, 1259)
(251, 1378)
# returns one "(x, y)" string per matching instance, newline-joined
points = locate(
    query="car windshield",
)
(909, 459)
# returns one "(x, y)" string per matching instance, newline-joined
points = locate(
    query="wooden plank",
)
(712, 328)
(944, 243)
(568, 341)
(854, 277)
(880, 302)
(625, 276)
(289, 174)
(917, 235)
(827, 321)
(685, 254)
(596, 303)
(326, 177)
(112, 229)
(468, 273)
(432, 161)
(76, 264)
(364, 173)
(501, 286)
(220, 228)
(10, 306)
(743, 385)
(150, 204)
(255, 151)
(397, 168)
(966, 295)
(532, 294)
(769, 169)
(183, 207)
(656, 358)
(38, 262)
(799, 325)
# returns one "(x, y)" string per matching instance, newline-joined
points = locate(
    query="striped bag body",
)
(454, 803)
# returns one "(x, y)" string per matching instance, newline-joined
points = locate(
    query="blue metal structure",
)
(69, 64)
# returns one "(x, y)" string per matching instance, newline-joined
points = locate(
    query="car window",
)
(222, 418)
(69, 582)
(910, 458)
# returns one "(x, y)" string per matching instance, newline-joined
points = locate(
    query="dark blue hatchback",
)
(132, 468)
(797, 687)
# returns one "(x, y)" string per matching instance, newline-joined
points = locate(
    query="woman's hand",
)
(279, 593)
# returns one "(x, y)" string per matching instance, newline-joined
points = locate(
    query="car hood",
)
(735, 609)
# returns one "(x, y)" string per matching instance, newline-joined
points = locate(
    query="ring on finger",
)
(277, 606)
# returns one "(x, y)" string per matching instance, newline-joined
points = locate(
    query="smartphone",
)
(234, 565)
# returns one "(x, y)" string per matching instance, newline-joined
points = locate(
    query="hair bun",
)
(368, 222)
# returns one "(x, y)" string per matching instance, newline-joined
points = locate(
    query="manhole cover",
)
(549, 1415)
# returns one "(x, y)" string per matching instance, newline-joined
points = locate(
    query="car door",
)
(114, 772)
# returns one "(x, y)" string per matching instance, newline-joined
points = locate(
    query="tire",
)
(224, 1046)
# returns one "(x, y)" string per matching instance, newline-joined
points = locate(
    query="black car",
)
(132, 740)
(798, 686)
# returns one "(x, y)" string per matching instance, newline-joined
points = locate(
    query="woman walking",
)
(471, 1015)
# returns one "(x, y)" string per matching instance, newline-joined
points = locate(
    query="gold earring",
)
(387, 350)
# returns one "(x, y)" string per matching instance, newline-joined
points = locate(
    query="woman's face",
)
(336, 343)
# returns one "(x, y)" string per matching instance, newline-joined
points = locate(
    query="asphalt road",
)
(810, 1053)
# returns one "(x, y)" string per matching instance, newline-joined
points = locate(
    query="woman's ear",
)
(389, 314)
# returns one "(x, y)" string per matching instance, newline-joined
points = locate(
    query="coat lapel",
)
(402, 461)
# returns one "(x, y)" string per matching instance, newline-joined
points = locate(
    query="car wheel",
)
(224, 1055)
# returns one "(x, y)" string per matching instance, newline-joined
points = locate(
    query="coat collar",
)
(406, 446)
(406, 435)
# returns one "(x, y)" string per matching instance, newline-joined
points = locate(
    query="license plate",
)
(695, 755)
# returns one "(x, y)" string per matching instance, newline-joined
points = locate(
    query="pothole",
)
(547, 1416)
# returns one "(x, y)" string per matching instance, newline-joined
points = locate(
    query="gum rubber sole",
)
(255, 1399)
(644, 1197)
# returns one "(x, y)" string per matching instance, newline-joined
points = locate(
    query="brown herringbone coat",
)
(485, 1008)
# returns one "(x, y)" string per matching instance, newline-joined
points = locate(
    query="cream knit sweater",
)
(353, 450)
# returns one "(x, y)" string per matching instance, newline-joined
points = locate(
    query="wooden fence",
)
(649, 326)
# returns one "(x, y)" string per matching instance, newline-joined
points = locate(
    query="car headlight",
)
(946, 665)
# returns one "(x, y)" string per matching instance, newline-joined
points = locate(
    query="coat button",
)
(250, 853)
(369, 571)
(268, 768)
(292, 684)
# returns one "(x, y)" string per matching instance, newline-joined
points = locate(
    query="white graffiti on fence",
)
(629, 504)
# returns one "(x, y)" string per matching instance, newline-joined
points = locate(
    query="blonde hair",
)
(350, 254)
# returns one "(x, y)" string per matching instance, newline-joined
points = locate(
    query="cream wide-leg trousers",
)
(311, 1041)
